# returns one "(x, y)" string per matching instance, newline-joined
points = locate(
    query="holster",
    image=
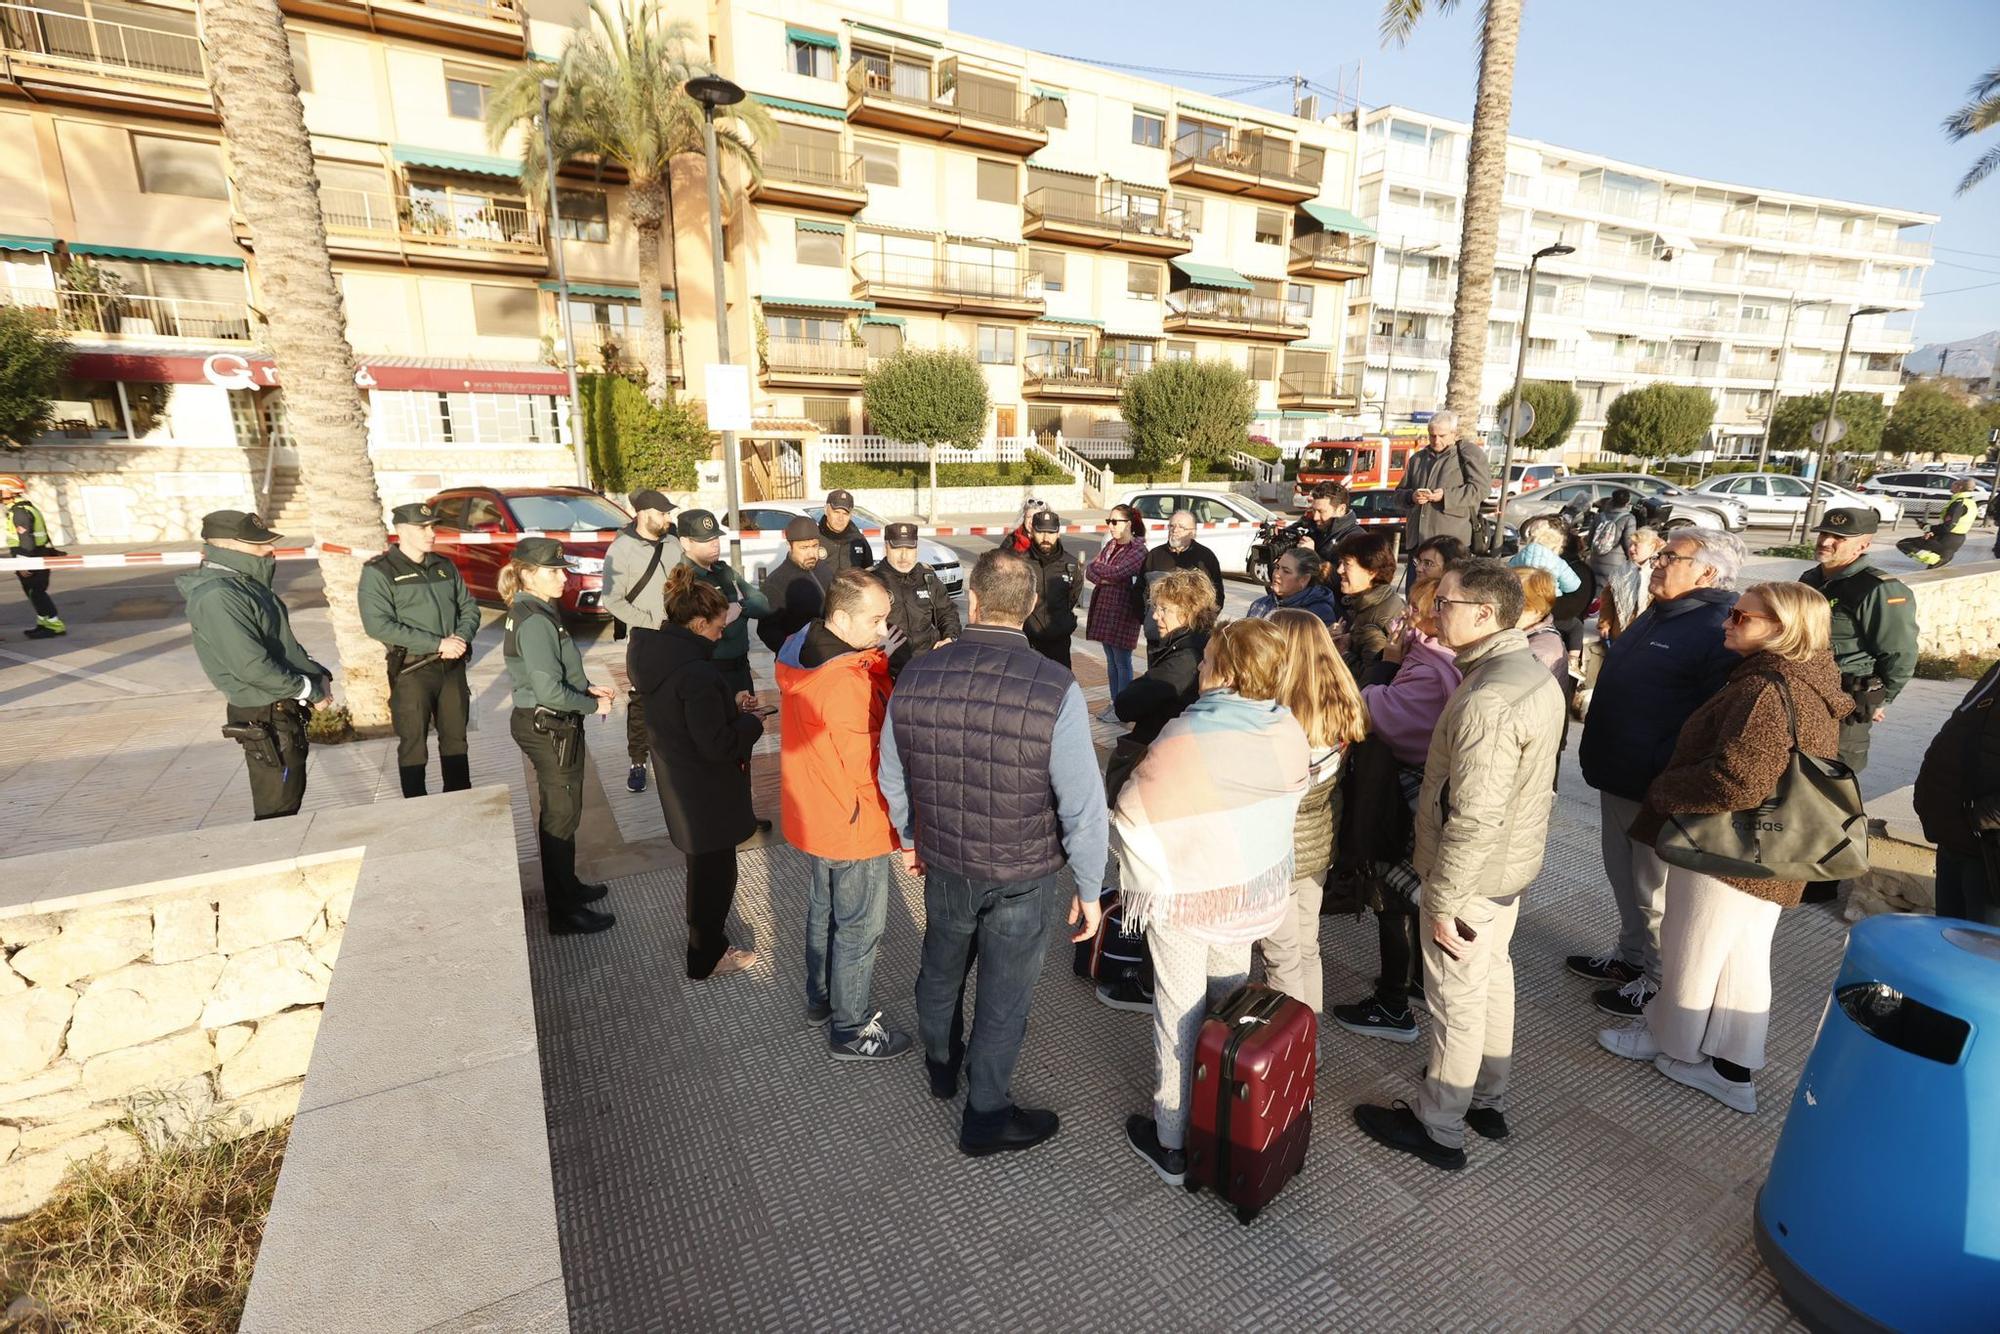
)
(258, 740)
(1867, 692)
(565, 729)
(394, 659)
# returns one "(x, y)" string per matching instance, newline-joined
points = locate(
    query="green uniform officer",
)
(1874, 624)
(414, 603)
(701, 547)
(551, 697)
(243, 639)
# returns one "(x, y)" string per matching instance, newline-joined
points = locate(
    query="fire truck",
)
(1354, 462)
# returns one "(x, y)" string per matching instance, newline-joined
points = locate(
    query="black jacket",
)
(701, 741)
(1957, 795)
(797, 595)
(1171, 682)
(1655, 674)
(1059, 580)
(845, 550)
(920, 607)
(1164, 560)
(1324, 540)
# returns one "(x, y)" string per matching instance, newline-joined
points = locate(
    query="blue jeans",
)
(844, 912)
(1117, 668)
(1963, 889)
(1003, 924)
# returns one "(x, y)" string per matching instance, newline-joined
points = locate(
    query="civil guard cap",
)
(1849, 522)
(237, 526)
(420, 513)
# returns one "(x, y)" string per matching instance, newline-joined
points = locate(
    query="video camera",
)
(1274, 538)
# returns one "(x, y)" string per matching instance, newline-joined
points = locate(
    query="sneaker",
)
(1024, 1128)
(733, 960)
(1144, 1137)
(871, 1043)
(818, 1016)
(1704, 1076)
(578, 920)
(1626, 1002)
(1126, 994)
(1110, 715)
(1601, 968)
(635, 778)
(43, 632)
(1486, 1122)
(1371, 1020)
(1398, 1128)
(1633, 1041)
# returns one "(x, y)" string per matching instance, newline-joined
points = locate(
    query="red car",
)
(510, 511)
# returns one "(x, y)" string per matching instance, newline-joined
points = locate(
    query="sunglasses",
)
(1738, 616)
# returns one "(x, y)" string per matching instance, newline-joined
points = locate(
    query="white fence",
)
(1074, 455)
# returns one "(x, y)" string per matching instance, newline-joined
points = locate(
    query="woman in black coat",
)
(1183, 610)
(701, 740)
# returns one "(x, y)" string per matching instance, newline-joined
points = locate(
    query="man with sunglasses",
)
(1655, 674)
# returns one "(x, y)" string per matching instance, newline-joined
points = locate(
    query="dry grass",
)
(163, 1244)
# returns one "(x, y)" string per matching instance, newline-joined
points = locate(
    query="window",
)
(814, 244)
(505, 312)
(1517, 183)
(1149, 130)
(1142, 282)
(1133, 355)
(1178, 350)
(1299, 300)
(180, 167)
(829, 414)
(881, 164)
(302, 72)
(998, 183)
(604, 326)
(996, 345)
(465, 92)
(1044, 422)
(1270, 227)
(1049, 264)
(1190, 207)
(882, 340)
(1263, 363)
(1055, 112)
(586, 215)
(812, 55)
(806, 328)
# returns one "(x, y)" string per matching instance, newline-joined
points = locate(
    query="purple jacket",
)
(1405, 712)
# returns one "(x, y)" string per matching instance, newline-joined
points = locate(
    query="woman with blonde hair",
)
(1538, 600)
(1205, 856)
(1319, 690)
(1705, 1027)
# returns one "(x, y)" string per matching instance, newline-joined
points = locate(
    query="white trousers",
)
(1715, 971)
(1188, 975)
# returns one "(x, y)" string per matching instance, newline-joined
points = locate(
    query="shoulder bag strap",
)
(652, 568)
(1791, 714)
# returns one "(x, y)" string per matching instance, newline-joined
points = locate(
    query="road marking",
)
(80, 673)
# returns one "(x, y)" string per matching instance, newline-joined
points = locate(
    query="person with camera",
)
(552, 697)
(1327, 519)
(414, 603)
(244, 642)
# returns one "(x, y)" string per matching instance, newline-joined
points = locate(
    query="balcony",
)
(945, 103)
(1750, 369)
(813, 363)
(1245, 164)
(495, 26)
(1072, 379)
(1080, 218)
(967, 285)
(1328, 255)
(1881, 377)
(442, 226)
(1686, 368)
(1227, 314)
(1378, 347)
(1313, 389)
(135, 319)
(819, 178)
(79, 58)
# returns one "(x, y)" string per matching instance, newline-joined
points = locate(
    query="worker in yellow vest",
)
(28, 535)
(1946, 534)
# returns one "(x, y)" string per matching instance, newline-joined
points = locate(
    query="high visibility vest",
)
(38, 525)
(1956, 521)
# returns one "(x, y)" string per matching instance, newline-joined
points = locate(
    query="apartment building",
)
(1674, 278)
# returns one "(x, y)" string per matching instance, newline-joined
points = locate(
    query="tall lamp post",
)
(1778, 374)
(1403, 253)
(576, 442)
(1520, 371)
(713, 91)
(1832, 403)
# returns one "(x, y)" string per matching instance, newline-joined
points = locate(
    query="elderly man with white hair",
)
(1444, 484)
(1656, 673)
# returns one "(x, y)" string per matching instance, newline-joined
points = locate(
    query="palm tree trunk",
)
(1485, 179)
(646, 202)
(250, 62)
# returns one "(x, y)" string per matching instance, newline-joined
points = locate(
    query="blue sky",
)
(1832, 97)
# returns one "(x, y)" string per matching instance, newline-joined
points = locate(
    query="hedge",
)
(948, 474)
(632, 444)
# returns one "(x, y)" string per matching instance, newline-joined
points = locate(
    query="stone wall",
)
(1958, 609)
(193, 999)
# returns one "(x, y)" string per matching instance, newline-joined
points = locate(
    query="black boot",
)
(457, 772)
(413, 779)
(566, 896)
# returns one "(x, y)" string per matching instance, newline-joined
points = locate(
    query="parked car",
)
(1923, 494)
(1231, 546)
(1677, 505)
(764, 540)
(1780, 498)
(508, 512)
(1522, 477)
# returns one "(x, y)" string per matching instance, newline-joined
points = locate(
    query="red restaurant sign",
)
(231, 370)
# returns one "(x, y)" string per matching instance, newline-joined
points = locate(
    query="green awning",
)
(1205, 115)
(155, 256)
(893, 321)
(816, 302)
(33, 245)
(829, 228)
(892, 33)
(475, 164)
(802, 108)
(609, 291)
(807, 37)
(1336, 219)
(1069, 319)
(1303, 416)
(1213, 275)
(1266, 415)
(1051, 94)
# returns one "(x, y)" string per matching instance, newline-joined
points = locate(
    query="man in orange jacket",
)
(833, 681)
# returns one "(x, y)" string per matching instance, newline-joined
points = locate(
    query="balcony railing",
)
(1243, 308)
(48, 42)
(1082, 208)
(474, 222)
(815, 357)
(1046, 372)
(1750, 370)
(476, 9)
(1676, 366)
(942, 92)
(1425, 349)
(947, 278)
(1329, 250)
(822, 168)
(134, 316)
(1872, 377)
(1311, 388)
(1273, 161)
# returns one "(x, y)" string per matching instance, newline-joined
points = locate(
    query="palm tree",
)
(250, 66)
(620, 99)
(1485, 179)
(1981, 113)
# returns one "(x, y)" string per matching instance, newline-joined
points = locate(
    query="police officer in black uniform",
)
(846, 548)
(920, 606)
(415, 604)
(1059, 580)
(796, 586)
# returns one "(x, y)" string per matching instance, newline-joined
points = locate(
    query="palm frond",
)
(1399, 17)
(1988, 163)
(1974, 116)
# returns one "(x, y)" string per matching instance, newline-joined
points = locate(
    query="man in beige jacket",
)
(1482, 823)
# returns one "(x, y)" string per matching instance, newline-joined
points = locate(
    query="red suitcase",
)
(1250, 1109)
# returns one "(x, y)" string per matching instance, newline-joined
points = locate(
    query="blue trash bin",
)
(1882, 1211)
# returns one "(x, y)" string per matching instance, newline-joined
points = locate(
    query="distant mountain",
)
(1971, 358)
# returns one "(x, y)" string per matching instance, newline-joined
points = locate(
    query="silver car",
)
(1778, 498)
(764, 548)
(1923, 494)
(1703, 511)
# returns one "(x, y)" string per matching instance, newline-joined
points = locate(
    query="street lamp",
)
(1833, 402)
(1404, 252)
(1520, 370)
(1777, 374)
(566, 319)
(714, 91)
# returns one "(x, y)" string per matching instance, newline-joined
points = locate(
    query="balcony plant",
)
(33, 361)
